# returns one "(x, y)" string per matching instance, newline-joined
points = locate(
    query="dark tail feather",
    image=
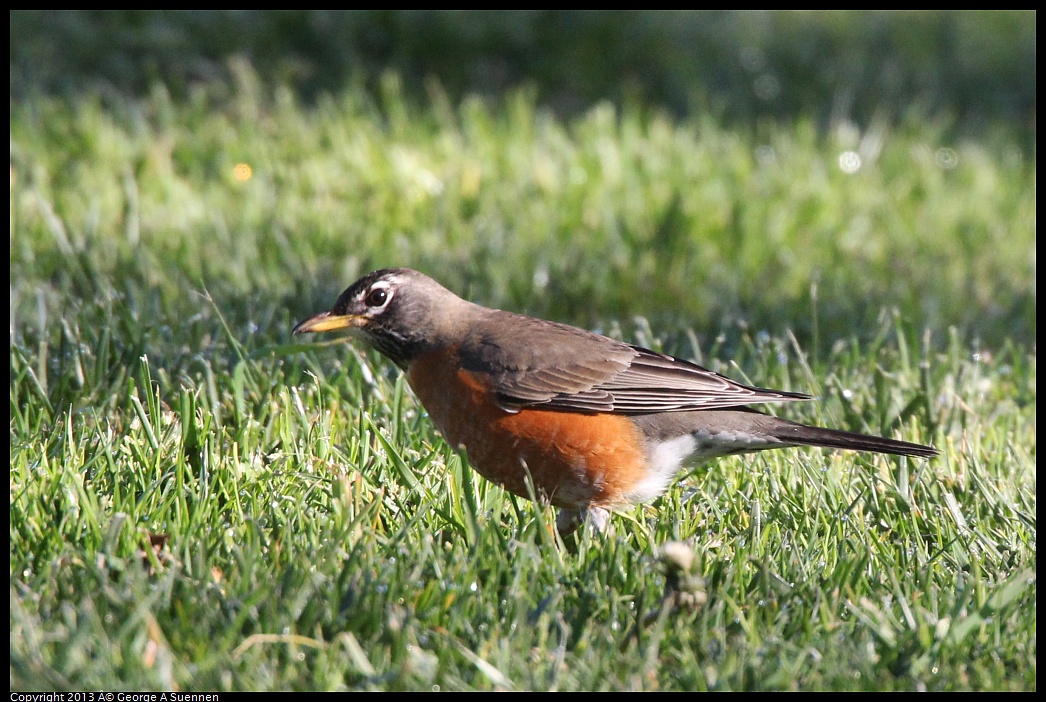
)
(802, 435)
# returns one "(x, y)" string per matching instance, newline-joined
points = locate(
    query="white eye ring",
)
(379, 296)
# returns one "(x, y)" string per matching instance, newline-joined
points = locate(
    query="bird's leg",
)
(599, 518)
(569, 519)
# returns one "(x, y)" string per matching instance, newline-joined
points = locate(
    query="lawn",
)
(200, 502)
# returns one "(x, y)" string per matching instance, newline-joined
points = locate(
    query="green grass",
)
(968, 67)
(311, 529)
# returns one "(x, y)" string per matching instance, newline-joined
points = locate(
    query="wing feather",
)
(566, 368)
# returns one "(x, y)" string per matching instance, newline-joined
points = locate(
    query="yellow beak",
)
(325, 321)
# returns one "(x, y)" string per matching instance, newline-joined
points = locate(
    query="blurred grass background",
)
(972, 68)
(684, 213)
(841, 203)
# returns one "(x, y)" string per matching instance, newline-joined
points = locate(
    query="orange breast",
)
(574, 460)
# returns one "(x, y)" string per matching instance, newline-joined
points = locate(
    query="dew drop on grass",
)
(946, 158)
(849, 162)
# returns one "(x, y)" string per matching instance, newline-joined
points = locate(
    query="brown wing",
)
(534, 363)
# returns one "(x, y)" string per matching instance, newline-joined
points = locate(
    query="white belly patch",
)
(666, 458)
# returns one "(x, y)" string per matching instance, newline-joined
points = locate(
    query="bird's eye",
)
(377, 297)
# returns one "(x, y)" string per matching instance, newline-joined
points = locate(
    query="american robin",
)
(592, 424)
